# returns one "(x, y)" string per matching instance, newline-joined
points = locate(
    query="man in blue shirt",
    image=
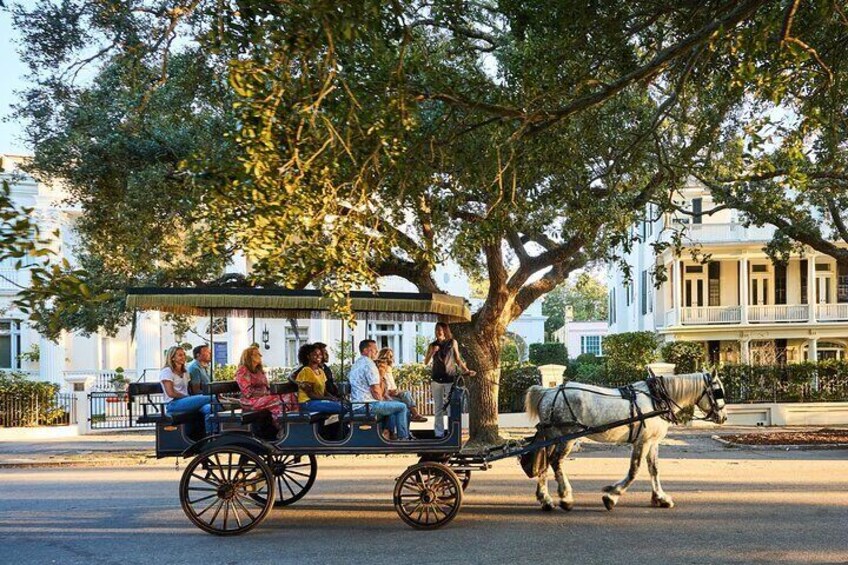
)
(198, 369)
(365, 387)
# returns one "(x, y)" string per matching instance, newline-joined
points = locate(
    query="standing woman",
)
(255, 390)
(447, 365)
(175, 379)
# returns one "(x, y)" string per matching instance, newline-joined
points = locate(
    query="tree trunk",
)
(481, 352)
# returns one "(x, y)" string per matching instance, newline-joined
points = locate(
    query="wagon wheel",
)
(464, 476)
(218, 487)
(428, 495)
(294, 477)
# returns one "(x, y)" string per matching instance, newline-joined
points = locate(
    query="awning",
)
(300, 304)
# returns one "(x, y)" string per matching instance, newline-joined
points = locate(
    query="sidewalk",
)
(112, 449)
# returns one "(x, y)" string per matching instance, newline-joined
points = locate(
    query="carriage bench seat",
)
(169, 419)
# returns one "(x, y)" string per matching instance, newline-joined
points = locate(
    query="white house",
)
(583, 337)
(101, 354)
(739, 304)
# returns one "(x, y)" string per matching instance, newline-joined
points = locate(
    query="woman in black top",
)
(447, 365)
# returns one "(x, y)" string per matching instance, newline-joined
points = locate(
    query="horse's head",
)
(711, 402)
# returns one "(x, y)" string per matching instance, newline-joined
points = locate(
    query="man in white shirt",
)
(365, 387)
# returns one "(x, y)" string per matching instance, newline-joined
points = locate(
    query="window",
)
(294, 339)
(611, 309)
(629, 293)
(645, 293)
(697, 208)
(804, 293)
(780, 284)
(591, 344)
(842, 285)
(388, 335)
(10, 344)
(714, 286)
(694, 268)
(759, 268)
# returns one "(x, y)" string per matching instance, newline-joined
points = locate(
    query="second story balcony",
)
(753, 291)
(718, 233)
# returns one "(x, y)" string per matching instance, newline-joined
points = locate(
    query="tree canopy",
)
(335, 142)
(587, 297)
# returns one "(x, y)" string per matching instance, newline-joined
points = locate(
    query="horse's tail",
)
(531, 400)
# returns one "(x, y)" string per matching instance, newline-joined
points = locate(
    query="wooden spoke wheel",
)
(428, 495)
(294, 476)
(227, 491)
(464, 476)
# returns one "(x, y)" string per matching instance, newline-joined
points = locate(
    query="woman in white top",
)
(175, 379)
(385, 362)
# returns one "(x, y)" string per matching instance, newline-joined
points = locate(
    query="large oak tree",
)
(336, 142)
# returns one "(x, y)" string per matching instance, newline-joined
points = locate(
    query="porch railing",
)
(697, 315)
(832, 312)
(102, 379)
(778, 313)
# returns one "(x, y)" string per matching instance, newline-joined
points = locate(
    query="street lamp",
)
(266, 337)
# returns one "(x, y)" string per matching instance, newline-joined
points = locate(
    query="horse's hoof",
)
(661, 502)
(547, 507)
(609, 503)
(567, 506)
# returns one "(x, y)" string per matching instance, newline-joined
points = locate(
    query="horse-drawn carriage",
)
(236, 475)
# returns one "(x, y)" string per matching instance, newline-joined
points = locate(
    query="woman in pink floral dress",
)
(255, 392)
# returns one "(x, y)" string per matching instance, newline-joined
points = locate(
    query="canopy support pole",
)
(211, 347)
(253, 328)
(342, 350)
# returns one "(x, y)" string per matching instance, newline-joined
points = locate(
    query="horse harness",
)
(657, 392)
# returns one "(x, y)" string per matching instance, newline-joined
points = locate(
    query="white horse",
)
(575, 407)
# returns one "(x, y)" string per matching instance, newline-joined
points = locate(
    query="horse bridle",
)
(715, 396)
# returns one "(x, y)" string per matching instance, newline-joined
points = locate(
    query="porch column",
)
(743, 288)
(148, 350)
(677, 292)
(812, 287)
(813, 349)
(51, 360)
(744, 351)
(240, 336)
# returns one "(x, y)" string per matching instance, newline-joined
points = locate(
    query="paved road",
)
(734, 506)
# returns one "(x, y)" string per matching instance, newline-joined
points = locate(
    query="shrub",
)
(548, 354)
(35, 401)
(788, 383)
(514, 384)
(628, 354)
(224, 372)
(687, 356)
(411, 374)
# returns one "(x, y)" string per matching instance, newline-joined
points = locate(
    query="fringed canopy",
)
(301, 304)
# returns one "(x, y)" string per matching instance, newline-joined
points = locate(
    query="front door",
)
(759, 289)
(695, 287)
(823, 288)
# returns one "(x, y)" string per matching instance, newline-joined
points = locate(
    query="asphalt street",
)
(733, 506)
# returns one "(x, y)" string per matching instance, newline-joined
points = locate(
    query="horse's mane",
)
(683, 386)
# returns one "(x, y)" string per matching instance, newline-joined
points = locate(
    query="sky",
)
(12, 72)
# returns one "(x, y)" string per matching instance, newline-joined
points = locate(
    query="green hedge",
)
(629, 353)
(687, 356)
(548, 354)
(24, 402)
(789, 383)
(514, 384)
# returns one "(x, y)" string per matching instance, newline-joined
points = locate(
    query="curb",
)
(811, 447)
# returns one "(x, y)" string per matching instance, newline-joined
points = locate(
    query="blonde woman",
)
(174, 378)
(255, 390)
(385, 364)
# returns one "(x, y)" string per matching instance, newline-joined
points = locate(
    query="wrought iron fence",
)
(33, 409)
(116, 411)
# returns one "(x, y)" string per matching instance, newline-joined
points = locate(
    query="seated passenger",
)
(198, 369)
(385, 362)
(311, 380)
(365, 388)
(331, 386)
(255, 391)
(175, 379)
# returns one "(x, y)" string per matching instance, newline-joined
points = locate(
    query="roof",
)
(302, 304)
